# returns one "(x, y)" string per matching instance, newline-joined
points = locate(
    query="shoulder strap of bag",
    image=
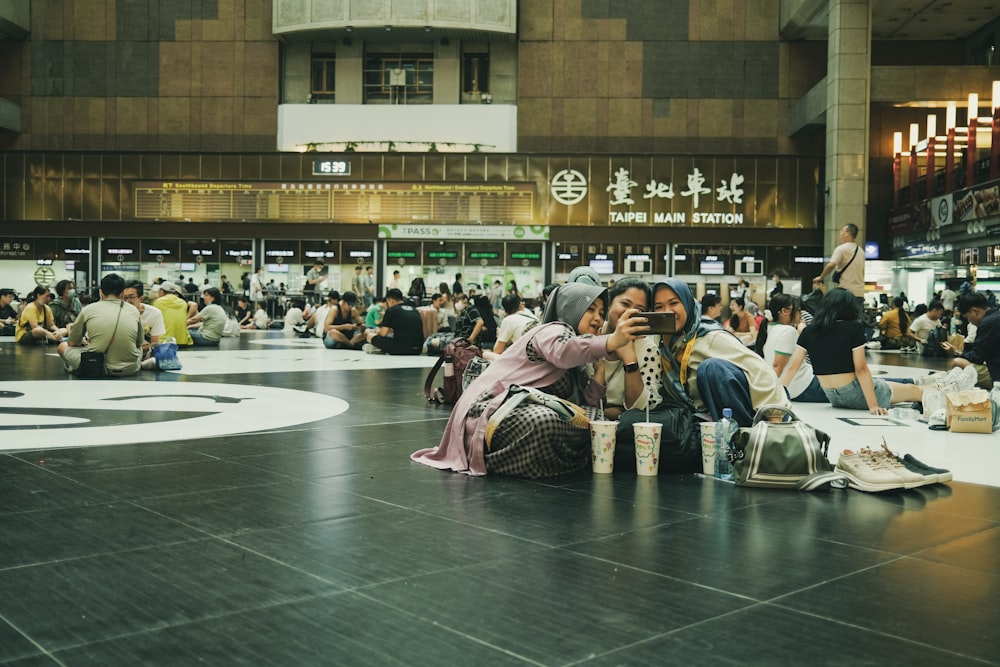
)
(819, 479)
(856, 249)
(765, 412)
(429, 392)
(114, 332)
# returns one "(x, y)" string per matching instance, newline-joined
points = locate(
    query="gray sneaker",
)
(866, 472)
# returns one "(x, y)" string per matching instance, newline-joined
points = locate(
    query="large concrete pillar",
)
(847, 117)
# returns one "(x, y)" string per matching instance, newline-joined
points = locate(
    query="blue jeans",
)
(723, 384)
(200, 340)
(852, 397)
(812, 394)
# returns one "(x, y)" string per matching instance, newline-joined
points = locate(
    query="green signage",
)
(442, 254)
(484, 255)
(525, 255)
(406, 254)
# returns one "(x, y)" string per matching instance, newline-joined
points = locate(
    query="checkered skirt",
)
(533, 441)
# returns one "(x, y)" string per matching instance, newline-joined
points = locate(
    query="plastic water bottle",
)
(724, 431)
(995, 400)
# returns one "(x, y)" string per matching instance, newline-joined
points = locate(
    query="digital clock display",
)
(331, 168)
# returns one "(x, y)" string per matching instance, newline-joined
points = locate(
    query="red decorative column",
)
(897, 168)
(930, 167)
(970, 155)
(949, 162)
(995, 146)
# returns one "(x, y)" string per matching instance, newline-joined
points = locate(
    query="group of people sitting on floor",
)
(165, 314)
(591, 357)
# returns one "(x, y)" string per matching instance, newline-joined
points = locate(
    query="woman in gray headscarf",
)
(534, 439)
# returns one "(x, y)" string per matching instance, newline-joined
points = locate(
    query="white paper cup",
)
(708, 447)
(647, 448)
(602, 445)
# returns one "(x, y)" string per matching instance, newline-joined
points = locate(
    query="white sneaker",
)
(967, 379)
(929, 380)
(911, 479)
(866, 472)
(371, 349)
(873, 345)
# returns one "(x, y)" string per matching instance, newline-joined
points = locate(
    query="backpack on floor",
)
(456, 357)
(932, 348)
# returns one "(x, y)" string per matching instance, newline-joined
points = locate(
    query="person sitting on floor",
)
(895, 326)
(984, 356)
(707, 367)
(294, 316)
(66, 306)
(742, 323)
(923, 325)
(35, 323)
(206, 326)
(476, 323)
(8, 314)
(261, 320)
(711, 308)
(401, 330)
(110, 327)
(624, 374)
(344, 327)
(242, 312)
(776, 343)
(176, 312)
(516, 321)
(152, 319)
(835, 342)
(513, 419)
(373, 318)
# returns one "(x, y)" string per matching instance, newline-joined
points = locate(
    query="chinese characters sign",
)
(688, 191)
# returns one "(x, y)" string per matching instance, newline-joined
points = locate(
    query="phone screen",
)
(660, 323)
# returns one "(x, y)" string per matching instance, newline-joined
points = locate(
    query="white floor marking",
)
(291, 355)
(68, 413)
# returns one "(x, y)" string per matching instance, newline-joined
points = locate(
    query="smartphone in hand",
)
(660, 323)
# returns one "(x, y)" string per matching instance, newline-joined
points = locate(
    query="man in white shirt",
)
(921, 326)
(513, 325)
(152, 319)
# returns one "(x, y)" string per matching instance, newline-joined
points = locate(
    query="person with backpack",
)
(526, 415)
(928, 331)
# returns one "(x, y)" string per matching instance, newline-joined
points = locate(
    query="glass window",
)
(476, 73)
(324, 76)
(399, 78)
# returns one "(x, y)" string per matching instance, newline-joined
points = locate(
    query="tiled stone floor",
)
(259, 508)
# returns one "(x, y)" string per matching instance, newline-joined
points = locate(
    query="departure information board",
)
(335, 202)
